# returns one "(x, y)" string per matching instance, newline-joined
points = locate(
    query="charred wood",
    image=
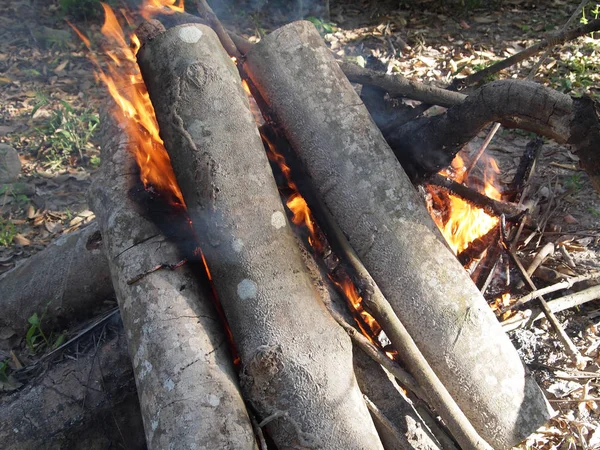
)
(296, 362)
(489, 205)
(428, 144)
(525, 169)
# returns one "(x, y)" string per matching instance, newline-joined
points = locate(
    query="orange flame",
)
(355, 300)
(151, 8)
(133, 108)
(465, 222)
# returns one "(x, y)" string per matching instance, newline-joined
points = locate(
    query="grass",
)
(574, 183)
(38, 340)
(67, 134)
(8, 232)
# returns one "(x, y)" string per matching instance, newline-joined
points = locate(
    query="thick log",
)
(68, 280)
(296, 362)
(366, 191)
(88, 402)
(186, 382)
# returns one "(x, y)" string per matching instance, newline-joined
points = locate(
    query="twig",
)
(397, 85)
(557, 39)
(209, 15)
(258, 432)
(543, 58)
(399, 438)
(489, 205)
(570, 301)
(482, 149)
(562, 336)
(540, 257)
(549, 289)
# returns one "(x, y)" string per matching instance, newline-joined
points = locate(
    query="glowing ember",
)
(133, 108)
(460, 222)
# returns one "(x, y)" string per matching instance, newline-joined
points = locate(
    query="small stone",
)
(570, 219)
(10, 164)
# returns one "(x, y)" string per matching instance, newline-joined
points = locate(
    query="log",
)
(189, 395)
(67, 280)
(296, 362)
(86, 402)
(366, 191)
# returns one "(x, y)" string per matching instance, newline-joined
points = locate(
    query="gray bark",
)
(373, 380)
(186, 382)
(365, 189)
(67, 280)
(85, 403)
(296, 362)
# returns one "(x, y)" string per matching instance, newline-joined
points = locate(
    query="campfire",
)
(222, 117)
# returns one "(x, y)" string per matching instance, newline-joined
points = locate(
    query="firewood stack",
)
(241, 346)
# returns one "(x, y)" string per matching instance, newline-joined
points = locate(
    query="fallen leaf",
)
(53, 227)
(19, 239)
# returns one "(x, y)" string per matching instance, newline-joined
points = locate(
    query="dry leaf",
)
(19, 239)
(54, 227)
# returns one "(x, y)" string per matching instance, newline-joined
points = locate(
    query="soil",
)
(47, 86)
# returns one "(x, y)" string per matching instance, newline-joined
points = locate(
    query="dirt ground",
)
(51, 105)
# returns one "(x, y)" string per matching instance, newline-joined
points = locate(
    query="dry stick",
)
(557, 305)
(401, 441)
(540, 257)
(562, 336)
(421, 403)
(567, 257)
(570, 301)
(550, 42)
(209, 15)
(553, 288)
(482, 149)
(489, 205)
(397, 85)
(537, 65)
(458, 424)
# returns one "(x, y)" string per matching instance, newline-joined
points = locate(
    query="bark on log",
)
(428, 144)
(68, 280)
(373, 380)
(186, 382)
(84, 403)
(297, 363)
(366, 191)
